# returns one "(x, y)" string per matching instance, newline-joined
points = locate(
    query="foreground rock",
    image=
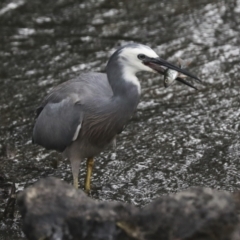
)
(52, 209)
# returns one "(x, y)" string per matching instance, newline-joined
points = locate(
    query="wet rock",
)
(7, 197)
(52, 209)
(10, 206)
(236, 198)
(195, 214)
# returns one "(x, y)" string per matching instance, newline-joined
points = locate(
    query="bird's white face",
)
(132, 59)
(135, 58)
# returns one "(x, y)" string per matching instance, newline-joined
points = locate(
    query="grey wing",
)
(60, 115)
(58, 124)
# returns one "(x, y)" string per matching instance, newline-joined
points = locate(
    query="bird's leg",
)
(75, 164)
(90, 163)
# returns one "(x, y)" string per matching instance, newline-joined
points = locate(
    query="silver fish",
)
(171, 75)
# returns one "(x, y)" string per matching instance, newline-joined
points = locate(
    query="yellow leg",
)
(90, 163)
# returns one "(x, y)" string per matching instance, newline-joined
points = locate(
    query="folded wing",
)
(58, 124)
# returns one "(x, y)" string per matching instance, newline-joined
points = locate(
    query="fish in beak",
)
(161, 66)
(171, 75)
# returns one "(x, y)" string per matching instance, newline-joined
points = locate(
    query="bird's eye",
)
(141, 56)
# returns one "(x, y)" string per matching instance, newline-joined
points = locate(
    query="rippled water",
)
(178, 138)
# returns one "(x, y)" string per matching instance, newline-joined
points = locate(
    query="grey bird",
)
(82, 116)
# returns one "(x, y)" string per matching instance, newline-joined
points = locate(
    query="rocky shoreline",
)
(52, 209)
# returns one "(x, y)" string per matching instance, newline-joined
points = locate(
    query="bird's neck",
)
(123, 81)
(126, 91)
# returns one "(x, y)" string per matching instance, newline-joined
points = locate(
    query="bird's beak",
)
(185, 82)
(157, 64)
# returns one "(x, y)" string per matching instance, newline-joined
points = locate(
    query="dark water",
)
(178, 138)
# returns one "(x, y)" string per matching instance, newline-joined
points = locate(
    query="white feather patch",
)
(131, 64)
(76, 132)
(129, 58)
(130, 76)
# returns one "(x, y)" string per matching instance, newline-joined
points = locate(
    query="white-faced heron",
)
(82, 116)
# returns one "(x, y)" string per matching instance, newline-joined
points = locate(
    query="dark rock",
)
(197, 213)
(236, 198)
(10, 206)
(52, 209)
(7, 197)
